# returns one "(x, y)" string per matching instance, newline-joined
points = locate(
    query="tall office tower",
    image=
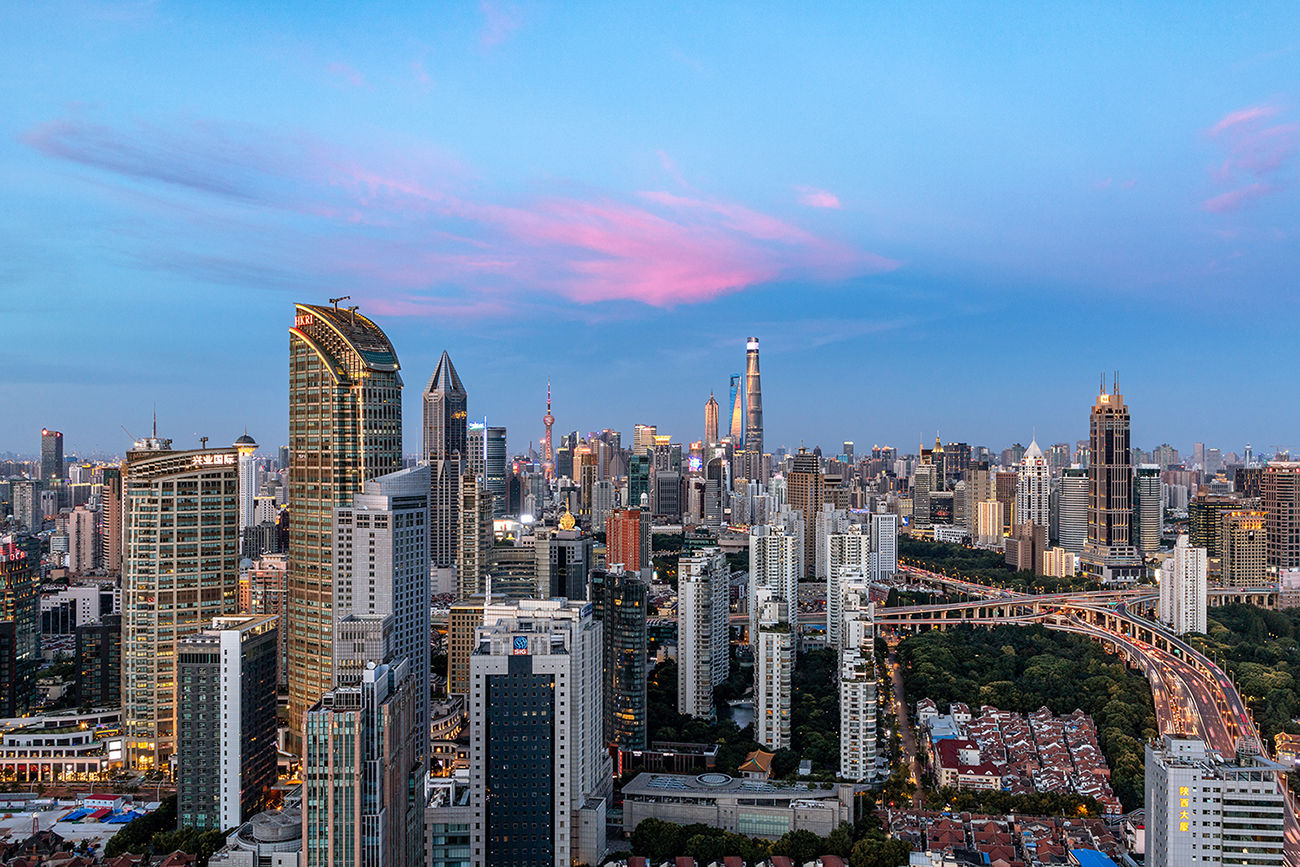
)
(1198, 455)
(924, 482)
(847, 450)
(474, 547)
(225, 721)
(27, 499)
(1058, 456)
(627, 540)
(668, 495)
(181, 571)
(363, 784)
(773, 565)
(638, 481)
(988, 525)
(979, 489)
(827, 521)
(643, 439)
(548, 456)
(602, 504)
(1148, 511)
(1205, 514)
(619, 602)
(487, 458)
(381, 567)
(345, 426)
(51, 455)
(563, 557)
(246, 446)
(584, 467)
(110, 521)
(715, 491)
(848, 552)
(465, 616)
(737, 428)
(1245, 548)
(1204, 810)
(1005, 485)
(703, 630)
(806, 491)
(98, 657)
(1034, 488)
(884, 545)
(1281, 488)
(446, 447)
(539, 776)
(83, 547)
(1165, 455)
(20, 628)
(711, 421)
(773, 672)
(1109, 553)
(1072, 514)
(1183, 587)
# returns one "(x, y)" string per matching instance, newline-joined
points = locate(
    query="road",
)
(905, 728)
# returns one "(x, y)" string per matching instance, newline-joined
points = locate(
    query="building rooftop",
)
(715, 784)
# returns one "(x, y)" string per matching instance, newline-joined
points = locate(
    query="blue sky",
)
(934, 217)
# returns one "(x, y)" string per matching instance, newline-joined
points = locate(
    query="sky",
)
(935, 218)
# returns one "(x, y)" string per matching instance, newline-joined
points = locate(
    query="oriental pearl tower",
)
(548, 457)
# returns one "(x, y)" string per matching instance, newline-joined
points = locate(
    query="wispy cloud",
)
(815, 198)
(670, 167)
(1256, 150)
(346, 73)
(394, 223)
(499, 22)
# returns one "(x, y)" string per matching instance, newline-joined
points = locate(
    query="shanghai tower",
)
(753, 400)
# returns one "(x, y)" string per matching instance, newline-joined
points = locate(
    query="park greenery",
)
(1023, 668)
(983, 567)
(863, 843)
(1261, 650)
(156, 834)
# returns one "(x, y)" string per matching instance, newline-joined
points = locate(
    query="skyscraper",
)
(638, 481)
(20, 628)
(847, 552)
(1281, 486)
(703, 630)
(1109, 553)
(539, 777)
(51, 455)
(1033, 488)
(246, 446)
(345, 426)
(446, 414)
(474, 547)
(711, 421)
(487, 458)
(627, 540)
(1183, 587)
(381, 567)
(805, 491)
(110, 521)
(737, 428)
(1245, 548)
(619, 602)
(773, 565)
(1148, 513)
(1072, 510)
(226, 727)
(181, 571)
(884, 545)
(753, 400)
(548, 456)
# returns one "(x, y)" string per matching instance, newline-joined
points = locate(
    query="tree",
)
(875, 852)
(657, 840)
(799, 846)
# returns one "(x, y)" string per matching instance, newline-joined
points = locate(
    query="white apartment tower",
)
(884, 545)
(1034, 488)
(1182, 588)
(539, 774)
(1203, 810)
(381, 567)
(847, 553)
(703, 630)
(773, 564)
(830, 521)
(773, 672)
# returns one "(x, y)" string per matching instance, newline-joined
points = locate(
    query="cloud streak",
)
(815, 198)
(1256, 151)
(392, 223)
(499, 22)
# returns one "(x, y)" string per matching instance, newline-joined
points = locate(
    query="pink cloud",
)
(1102, 184)
(1235, 200)
(346, 73)
(671, 168)
(498, 23)
(815, 198)
(655, 247)
(1256, 150)
(1242, 115)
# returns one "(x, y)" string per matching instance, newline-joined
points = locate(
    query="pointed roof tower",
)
(445, 380)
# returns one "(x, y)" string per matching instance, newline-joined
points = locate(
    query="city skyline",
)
(942, 207)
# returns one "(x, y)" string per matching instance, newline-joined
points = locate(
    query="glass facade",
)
(520, 794)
